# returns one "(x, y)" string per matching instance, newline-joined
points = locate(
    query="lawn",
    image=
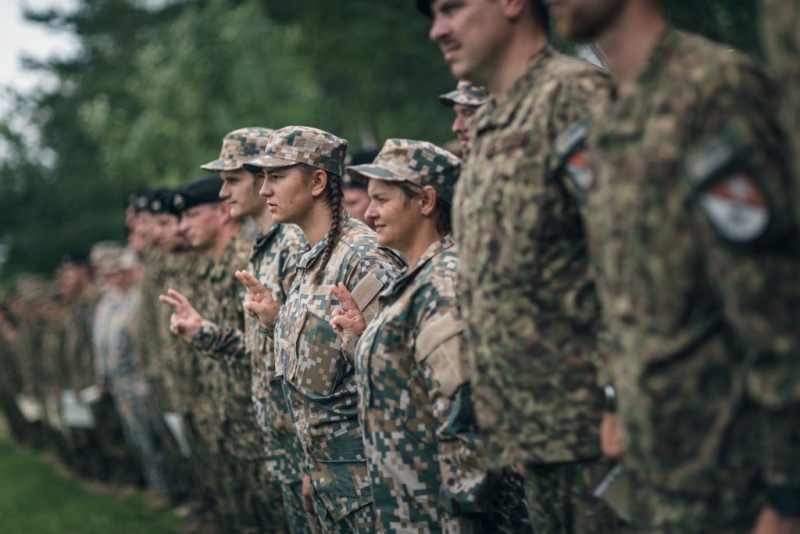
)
(35, 499)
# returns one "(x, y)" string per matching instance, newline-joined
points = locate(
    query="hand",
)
(308, 495)
(770, 522)
(347, 321)
(185, 321)
(258, 302)
(612, 436)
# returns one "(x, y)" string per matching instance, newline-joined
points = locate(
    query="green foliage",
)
(152, 91)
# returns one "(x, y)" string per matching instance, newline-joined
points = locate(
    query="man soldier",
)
(531, 319)
(213, 231)
(691, 227)
(465, 101)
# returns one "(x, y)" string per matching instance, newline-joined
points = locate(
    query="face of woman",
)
(289, 195)
(394, 216)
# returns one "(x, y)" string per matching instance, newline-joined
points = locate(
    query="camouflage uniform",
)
(689, 219)
(529, 304)
(273, 263)
(319, 379)
(426, 461)
(782, 43)
(253, 491)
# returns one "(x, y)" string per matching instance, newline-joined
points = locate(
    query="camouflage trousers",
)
(362, 521)
(560, 499)
(255, 497)
(298, 520)
(139, 432)
(117, 461)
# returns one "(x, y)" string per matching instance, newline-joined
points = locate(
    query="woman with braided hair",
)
(303, 186)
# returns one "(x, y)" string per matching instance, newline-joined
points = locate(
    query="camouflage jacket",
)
(319, 378)
(180, 363)
(148, 313)
(782, 43)
(120, 363)
(689, 218)
(528, 298)
(272, 261)
(78, 340)
(228, 386)
(414, 397)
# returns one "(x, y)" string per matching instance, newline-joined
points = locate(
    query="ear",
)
(224, 212)
(427, 200)
(318, 182)
(513, 9)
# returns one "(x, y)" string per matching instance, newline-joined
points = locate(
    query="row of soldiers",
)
(588, 326)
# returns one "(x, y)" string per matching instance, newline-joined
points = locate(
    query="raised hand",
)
(347, 321)
(258, 302)
(185, 321)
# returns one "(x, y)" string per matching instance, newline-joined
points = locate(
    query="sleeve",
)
(439, 349)
(739, 177)
(222, 343)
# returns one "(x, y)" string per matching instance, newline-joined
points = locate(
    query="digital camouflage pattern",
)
(239, 147)
(699, 294)
(249, 493)
(465, 94)
(418, 162)
(319, 378)
(781, 25)
(301, 144)
(528, 297)
(426, 460)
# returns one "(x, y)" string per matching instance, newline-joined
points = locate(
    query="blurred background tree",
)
(153, 89)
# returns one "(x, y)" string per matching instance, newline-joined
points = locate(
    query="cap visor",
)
(257, 165)
(362, 173)
(220, 165)
(449, 99)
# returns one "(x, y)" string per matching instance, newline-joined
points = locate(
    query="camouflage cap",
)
(33, 288)
(300, 144)
(418, 162)
(465, 94)
(105, 256)
(239, 147)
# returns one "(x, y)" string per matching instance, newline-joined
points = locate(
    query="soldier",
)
(413, 374)
(689, 211)
(303, 186)
(356, 199)
(272, 263)
(781, 26)
(250, 495)
(465, 101)
(77, 290)
(531, 319)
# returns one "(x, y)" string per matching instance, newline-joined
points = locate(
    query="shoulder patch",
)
(571, 151)
(730, 192)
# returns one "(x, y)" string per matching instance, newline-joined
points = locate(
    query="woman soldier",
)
(426, 461)
(303, 185)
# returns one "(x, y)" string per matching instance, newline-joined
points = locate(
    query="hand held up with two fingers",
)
(258, 302)
(185, 321)
(347, 321)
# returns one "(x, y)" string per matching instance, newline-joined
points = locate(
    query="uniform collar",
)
(263, 240)
(659, 57)
(408, 275)
(498, 111)
(308, 254)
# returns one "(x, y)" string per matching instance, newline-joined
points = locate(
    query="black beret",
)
(75, 259)
(141, 200)
(160, 201)
(365, 156)
(425, 7)
(203, 191)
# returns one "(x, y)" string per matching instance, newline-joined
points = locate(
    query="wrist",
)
(610, 398)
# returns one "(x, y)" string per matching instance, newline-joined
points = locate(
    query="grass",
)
(35, 499)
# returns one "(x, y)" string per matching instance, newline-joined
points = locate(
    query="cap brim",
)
(220, 165)
(257, 165)
(449, 99)
(363, 173)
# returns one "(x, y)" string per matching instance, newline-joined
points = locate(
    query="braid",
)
(335, 201)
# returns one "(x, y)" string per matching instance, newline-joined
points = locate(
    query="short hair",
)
(541, 14)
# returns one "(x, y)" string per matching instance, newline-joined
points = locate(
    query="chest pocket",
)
(321, 363)
(439, 347)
